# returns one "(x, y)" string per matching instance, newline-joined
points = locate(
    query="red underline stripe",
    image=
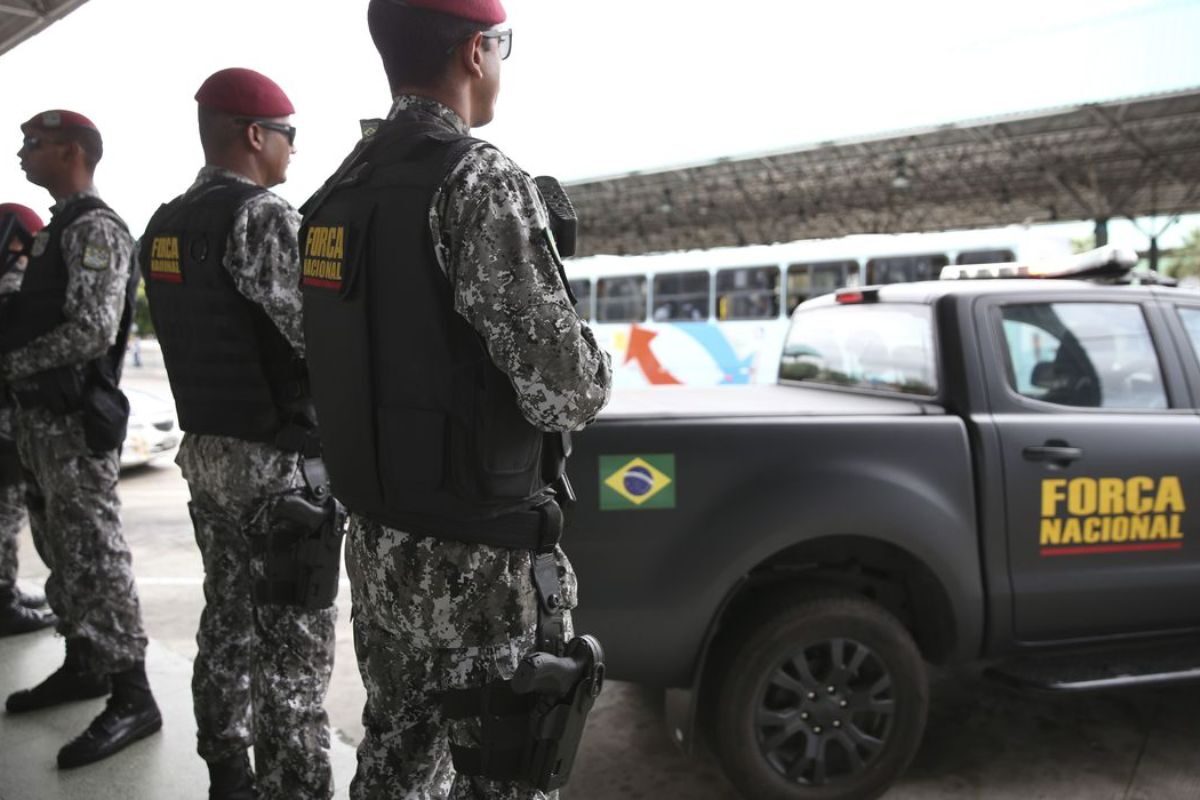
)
(1110, 548)
(322, 284)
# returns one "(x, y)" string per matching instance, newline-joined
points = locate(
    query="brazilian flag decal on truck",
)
(636, 482)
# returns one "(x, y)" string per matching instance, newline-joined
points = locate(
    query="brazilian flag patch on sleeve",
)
(632, 482)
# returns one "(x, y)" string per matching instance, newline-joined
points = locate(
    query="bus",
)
(719, 317)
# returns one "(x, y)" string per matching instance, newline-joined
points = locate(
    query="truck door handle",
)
(1056, 454)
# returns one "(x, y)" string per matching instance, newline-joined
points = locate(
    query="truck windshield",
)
(872, 346)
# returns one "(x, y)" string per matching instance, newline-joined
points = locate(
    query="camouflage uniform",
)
(431, 615)
(261, 672)
(12, 497)
(74, 511)
(12, 516)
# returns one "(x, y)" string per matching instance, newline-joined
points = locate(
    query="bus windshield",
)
(878, 347)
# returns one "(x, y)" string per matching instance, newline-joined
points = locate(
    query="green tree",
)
(1184, 261)
(141, 312)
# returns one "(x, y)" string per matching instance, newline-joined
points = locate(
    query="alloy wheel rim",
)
(824, 713)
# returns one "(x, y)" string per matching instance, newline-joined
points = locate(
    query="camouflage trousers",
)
(12, 517)
(74, 515)
(262, 671)
(429, 616)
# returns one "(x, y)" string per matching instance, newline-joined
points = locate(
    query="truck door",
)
(1101, 469)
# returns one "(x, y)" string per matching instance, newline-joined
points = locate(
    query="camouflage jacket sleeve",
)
(10, 281)
(99, 255)
(492, 233)
(263, 256)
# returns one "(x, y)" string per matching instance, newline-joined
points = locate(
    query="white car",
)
(153, 428)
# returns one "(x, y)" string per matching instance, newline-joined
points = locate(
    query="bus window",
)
(621, 299)
(750, 293)
(810, 280)
(582, 289)
(902, 269)
(985, 257)
(681, 296)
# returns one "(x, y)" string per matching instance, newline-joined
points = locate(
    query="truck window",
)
(1190, 317)
(582, 289)
(1091, 355)
(681, 296)
(621, 299)
(880, 347)
(748, 293)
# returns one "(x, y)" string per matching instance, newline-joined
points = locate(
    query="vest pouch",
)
(509, 449)
(105, 415)
(411, 444)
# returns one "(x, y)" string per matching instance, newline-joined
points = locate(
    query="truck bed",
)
(687, 402)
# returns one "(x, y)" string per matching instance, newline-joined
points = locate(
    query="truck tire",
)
(821, 698)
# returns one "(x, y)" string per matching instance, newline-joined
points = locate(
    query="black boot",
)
(69, 683)
(131, 714)
(231, 779)
(17, 617)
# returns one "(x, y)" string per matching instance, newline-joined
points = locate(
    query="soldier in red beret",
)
(62, 346)
(447, 363)
(20, 612)
(222, 269)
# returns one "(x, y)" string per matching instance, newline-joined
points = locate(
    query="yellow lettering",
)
(1053, 493)
(1136, 501)
(338, 244)
(1071, 532)
(1176, 526)
(1158, 528)
(166, 247)
(1091, 530)
(1081, 497)
(1112, 496)
(1170, 496)
(1120, 529)
(1139, 529)
(1051, 532)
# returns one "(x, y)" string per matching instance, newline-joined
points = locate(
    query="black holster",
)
(530, 727)
(301, 548)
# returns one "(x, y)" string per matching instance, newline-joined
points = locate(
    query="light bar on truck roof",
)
(1103, 262)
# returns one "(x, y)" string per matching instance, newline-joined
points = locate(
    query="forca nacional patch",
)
(97, 256)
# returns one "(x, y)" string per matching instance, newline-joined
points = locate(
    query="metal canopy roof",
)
(1130, 158)
(21, 19)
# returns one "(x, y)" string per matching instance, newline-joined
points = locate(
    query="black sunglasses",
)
(287, 130)
(34, 142)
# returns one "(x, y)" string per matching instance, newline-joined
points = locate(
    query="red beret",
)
(485, 12)
(244, 92)
(29, 220)
(58, 120)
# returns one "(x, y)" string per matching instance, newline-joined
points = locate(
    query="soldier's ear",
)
(254, 136)
(470, 55)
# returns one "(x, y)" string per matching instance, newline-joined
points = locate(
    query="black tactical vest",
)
(38, 308)
(231, 371)
(422, 432)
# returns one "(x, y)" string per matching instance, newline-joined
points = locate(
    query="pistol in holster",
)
(302, 550)
(530, 727)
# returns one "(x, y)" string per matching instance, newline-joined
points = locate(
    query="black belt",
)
(538, 529)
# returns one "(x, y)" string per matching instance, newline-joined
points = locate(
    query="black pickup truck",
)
(946, 472)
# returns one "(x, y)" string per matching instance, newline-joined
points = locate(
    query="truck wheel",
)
(822, 699)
